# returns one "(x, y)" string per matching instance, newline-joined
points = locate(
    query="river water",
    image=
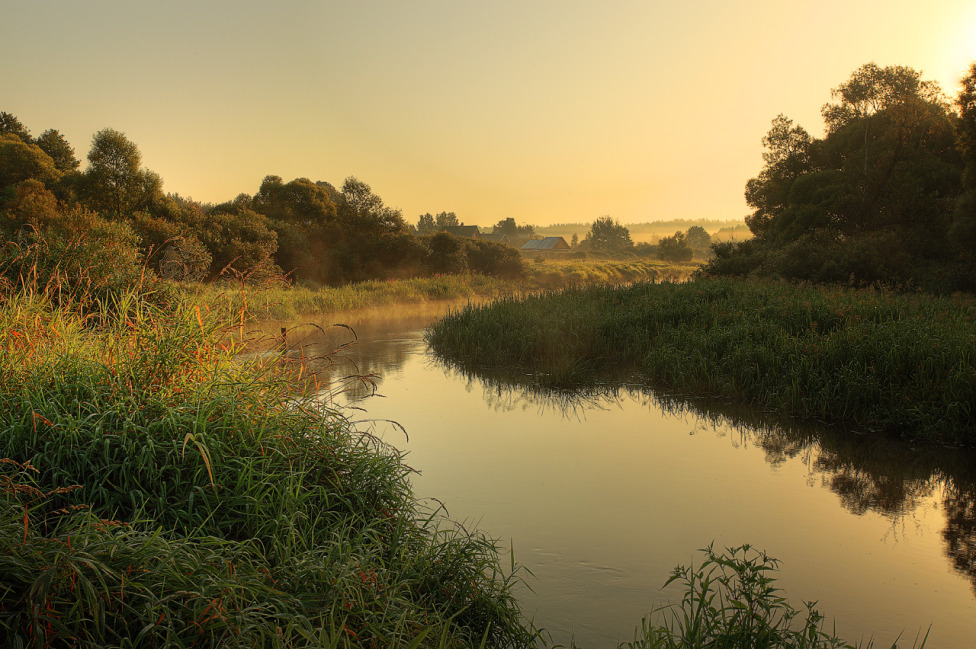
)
(600, 495)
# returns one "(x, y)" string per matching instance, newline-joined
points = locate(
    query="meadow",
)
(280, 301)
(870, 360)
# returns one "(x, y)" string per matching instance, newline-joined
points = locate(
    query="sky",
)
(542, 110)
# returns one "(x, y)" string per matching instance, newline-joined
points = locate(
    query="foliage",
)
(62, 153)
(446, 220)
(606, 235)
(114, 183)
(448, 254)
(227, 510)
(512, 229)
(9, 124)
(20, 161)
(731, 601)
(426, 224)
(699, 240)
(675, 248)
(82, 259)
(887, 170)
(871, 360)
(242, 242)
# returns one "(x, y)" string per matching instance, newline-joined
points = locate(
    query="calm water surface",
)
(601, 496)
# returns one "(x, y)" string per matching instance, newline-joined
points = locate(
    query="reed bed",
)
(156, 491)
(868, 359)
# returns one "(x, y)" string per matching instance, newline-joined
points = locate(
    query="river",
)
(600, 495)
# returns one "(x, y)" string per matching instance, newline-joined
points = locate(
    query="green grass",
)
(731, 601)
(868, 359)
(158, 492)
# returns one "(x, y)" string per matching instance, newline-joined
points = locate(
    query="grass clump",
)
(156, 491)
(869, 359)
(731, 601)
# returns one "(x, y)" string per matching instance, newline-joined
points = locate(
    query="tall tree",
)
(9, 124)
(606, 235)
(512, 229)
(963, 231)
(426, 224)
(54, 144)
(446, 220)
(113, 181)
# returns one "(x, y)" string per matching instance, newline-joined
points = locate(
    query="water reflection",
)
(867, 472)
(384, 355)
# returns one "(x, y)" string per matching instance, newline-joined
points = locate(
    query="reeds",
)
(159, 492)
(868, 359)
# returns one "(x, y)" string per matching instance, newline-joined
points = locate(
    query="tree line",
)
(887, 195)
(115, 219)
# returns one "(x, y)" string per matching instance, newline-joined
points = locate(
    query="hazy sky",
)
(546, 111)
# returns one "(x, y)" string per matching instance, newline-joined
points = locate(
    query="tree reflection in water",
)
(869, 473)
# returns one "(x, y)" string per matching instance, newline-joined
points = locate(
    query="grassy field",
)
(871, 360)
(283, 302)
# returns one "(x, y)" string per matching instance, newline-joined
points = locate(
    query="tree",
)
(574, 241)
(446, 220)
(698, 239)
(20, 160)
(606, 235)
(962, 233)
(426, 224)
(54, 144)
(888, 161)
(674, 248)
(9, 124)
(510, 228)
(872, 199)
(786, 157)
(114, 183)
(872, 89)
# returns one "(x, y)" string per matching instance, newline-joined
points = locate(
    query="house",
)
(464, 231)
(547, 245)
(496, 238)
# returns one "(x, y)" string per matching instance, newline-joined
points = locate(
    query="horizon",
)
(545, 112)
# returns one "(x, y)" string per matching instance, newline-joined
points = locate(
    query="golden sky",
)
(545, 111)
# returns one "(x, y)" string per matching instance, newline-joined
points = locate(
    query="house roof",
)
(498, 238)
(469, 231)
(549, 243)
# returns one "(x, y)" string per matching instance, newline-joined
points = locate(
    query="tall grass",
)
(868, 359)
(156, 491)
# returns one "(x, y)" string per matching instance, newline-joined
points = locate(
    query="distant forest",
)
(652, 231)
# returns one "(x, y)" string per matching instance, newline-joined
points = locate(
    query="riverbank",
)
(156, 491)
(286, 302)
(867, 359)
